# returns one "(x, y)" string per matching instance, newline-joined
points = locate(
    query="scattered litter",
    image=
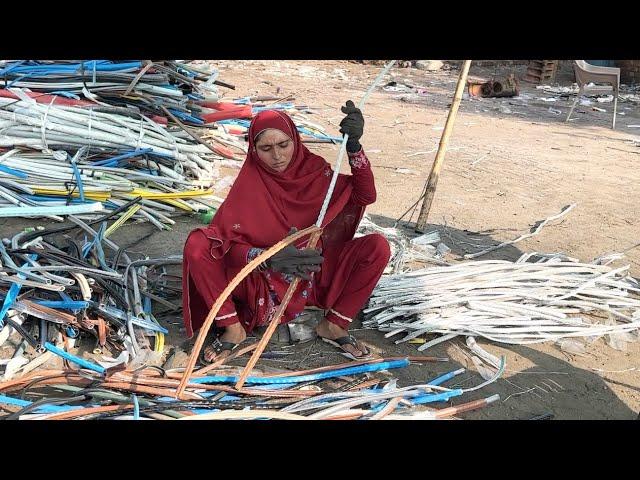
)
(629, 98)
(405, 171)
(480, 158)
(618, 341)
(442, 250)
(485, 372)
(428, 238)
(414, 91)
(607, 99)
(482, 353)
(429, 65)
(573, 347)
(555, 111)
(301, 332)
(423, 153)
(559, 90)
(143, 141)
(396, 87)
(534, 231)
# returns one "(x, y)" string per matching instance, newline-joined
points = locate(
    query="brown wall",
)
(629, 70)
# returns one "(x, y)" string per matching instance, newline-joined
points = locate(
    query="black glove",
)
(290, 260)
(352, 125)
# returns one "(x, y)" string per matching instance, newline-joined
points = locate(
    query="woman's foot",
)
(340, 337)
(233, 336)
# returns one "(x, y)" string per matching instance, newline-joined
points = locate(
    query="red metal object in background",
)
(226, 113)
(47, 98)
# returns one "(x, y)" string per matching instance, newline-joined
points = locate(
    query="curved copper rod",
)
(27, 378)
(463, 407)
(204, 330)
(63, 378)
(276, 318)
(345, 416)
(172, 383)
(136, 388)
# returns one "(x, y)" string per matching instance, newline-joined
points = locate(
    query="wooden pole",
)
(432, 181)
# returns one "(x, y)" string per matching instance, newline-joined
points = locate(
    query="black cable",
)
(31, 384)
(71, 226)
(186, 405)
(43, 333)
(23, 332)
(40, 403)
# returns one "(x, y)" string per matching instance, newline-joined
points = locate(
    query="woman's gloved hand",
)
(352, 125)
(293, 261)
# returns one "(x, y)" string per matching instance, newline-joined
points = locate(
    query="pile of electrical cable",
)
(70, 282)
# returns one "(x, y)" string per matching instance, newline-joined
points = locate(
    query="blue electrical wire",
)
(435, 382)
(64, 304)
(43, 409)
(186, 117)
(74, 359)
(114, 161)
(76, 174)
(373, 367)
(136, 408)
(13, 292)
(57, 68)
(14, 172)
(443, 378)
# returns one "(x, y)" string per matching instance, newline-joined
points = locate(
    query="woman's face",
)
(275, 149)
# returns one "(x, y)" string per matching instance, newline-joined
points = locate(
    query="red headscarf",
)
(264, 204)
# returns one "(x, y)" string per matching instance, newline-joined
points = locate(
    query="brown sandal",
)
(348, 340)
(218, 347)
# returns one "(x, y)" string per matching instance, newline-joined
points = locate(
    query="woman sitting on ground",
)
(280, 188)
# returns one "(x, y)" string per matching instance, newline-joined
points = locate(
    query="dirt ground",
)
(511, 162)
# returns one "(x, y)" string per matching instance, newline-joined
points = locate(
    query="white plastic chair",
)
(586, 73)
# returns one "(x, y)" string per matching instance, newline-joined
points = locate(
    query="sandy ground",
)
(511, 162)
